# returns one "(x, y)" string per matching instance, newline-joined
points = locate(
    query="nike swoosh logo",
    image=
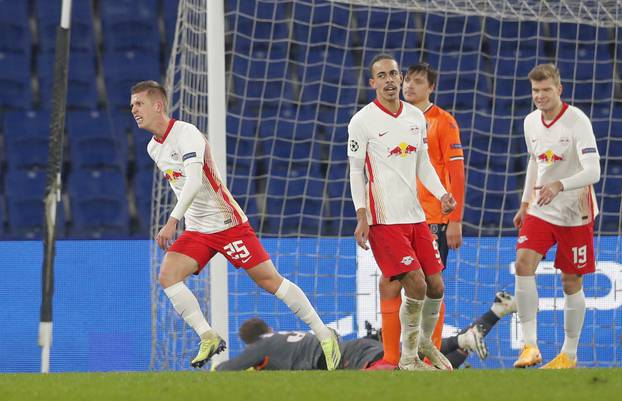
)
(247, 259)
(383, 133)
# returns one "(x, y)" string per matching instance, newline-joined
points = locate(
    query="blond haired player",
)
(387, 151)
(213, 223)
(558, 207)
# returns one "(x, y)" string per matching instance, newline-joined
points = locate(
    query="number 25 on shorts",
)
(236, 250)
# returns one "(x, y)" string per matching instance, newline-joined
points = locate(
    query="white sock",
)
(297, 301)
(429, 315)
(410, 318)
(574, 313)
(187, 306)
(527, 305)
(498, 309)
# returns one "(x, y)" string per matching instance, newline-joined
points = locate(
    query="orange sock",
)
(437, 336)
(391, 328)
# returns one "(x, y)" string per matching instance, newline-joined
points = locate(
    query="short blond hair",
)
(152, 88)
(542, 72)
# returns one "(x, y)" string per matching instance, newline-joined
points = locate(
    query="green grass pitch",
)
(465, 384)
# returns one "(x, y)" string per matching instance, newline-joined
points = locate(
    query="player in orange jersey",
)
(445, 152)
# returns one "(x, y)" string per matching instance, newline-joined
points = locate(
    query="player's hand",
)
(548, 192)
(448, 203)
(454, 234)
(165, 236)
(361, 233)
(519, 217)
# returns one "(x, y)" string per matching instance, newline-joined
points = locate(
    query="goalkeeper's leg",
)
(457, 348)
(268, 278)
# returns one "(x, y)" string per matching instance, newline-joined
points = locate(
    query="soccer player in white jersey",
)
(387, 151)
(558, 206)
(213, 223)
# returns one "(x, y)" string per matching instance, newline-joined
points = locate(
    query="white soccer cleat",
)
(415, 364)
(473, 341)
(427, 349)
(504, 304)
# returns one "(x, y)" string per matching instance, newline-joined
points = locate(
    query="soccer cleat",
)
(529, 356)
(427, 348)
(474, 341)
(208, 348)
(332, 353)
(504, 304)
(381, 364)
(561, 361)
(415, 364)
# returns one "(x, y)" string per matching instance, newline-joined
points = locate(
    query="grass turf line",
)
(466, 384)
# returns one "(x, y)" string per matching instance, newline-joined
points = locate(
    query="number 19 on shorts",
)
(579, 254)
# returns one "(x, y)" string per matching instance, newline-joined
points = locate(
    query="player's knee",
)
(165, 279)
(389, 289)
(571, 283)
(169, 276)
(271, 285)
(524, 267)
(435, 289)
(414, 284)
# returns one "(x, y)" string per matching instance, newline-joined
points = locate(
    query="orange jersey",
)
(445, 150)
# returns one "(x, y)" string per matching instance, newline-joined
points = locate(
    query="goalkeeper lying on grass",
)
(267, 350)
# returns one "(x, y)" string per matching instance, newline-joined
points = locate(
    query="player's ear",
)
(371, 82)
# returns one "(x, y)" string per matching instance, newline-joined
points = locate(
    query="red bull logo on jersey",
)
(549, 157)
(172, 175)
(403, 150)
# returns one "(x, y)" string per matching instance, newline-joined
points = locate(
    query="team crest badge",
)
(407, 260)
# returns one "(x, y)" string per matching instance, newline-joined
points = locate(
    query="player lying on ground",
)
(267, 350)
(214, 223)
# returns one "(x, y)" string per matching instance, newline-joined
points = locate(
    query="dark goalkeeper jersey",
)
(301, 351)
(275, 351)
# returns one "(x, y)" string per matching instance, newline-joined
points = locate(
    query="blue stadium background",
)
(287, 72)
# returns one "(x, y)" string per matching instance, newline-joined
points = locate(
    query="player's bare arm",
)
(454, 234)
(361, 233)
(520, 215)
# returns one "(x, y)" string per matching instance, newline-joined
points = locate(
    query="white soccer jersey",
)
(390, 143)
(558, 148)
(213, 208)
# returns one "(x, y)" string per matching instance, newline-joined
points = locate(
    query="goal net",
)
(297, 72)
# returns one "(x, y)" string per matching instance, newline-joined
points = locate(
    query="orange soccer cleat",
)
(529, 356)
(561, 361)
(381, 364)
